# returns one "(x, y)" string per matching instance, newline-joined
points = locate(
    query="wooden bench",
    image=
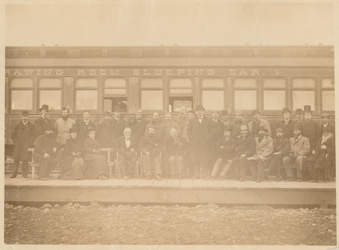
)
(110, 162)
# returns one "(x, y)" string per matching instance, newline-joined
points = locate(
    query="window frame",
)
(315, 91)
(33, 89)
(332, 112)
(61, 89)
(163, 89)
(257, 90)
(263, 89)
(224, 89)
(80, 88)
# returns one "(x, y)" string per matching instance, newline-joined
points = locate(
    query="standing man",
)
(256, 122)
(300, 149)
(46, 153)
(117, 125)
(217, 128)
(155, 123)
(139, 126)
(287, 124)
(104, 133)
(23, 136)
(244, 148)
(182, 118)
(299, 116)
(126, 148)
(63, 126)
(238, 122)
(150, 146)
(188, 166)
(42, 121)
(225, 119)
(166, 126)
(121, 105)
(199, 131)
(263, 155)
(326, 124)
(83, 125)
(310, 128)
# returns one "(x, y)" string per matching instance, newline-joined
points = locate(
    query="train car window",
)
(274, 83)
(328, 100)
(152, 94)
(249, 95)
(245, 83)
(327, 83)
(50, 83)
(181, 83)
(115, 94)
(22, 99)
(50, 97)
(213, 83)
(304, 83)
(86, 99)
(213, 99)
(180, 94)
(86, 83)
(22, 83)
(274, 99)
(303, 97)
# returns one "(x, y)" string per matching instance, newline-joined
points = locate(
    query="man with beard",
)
(104, 132)
(324, 152)
(188, 153)
(199, 131)
(256, 122)
(237, 124)
(45, 153)
(182, 118)
(126, 147)
(166, 126)
(225, 119)
(244, 148)
(300, 149)
(310, 128)
(216, 132)
(83, 125)
(326, 124)
(263, 155)
(155, 123)
(299, 116)
(42, 121)
(23, 136)
(282, 147)
(287, 124)
(225, 149)
(117, 125)
(63, 125)
(138, 127)
(150, 146)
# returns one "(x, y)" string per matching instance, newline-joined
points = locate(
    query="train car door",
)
(181, 91)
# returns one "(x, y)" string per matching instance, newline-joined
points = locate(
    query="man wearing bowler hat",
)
(117, 125)
(42, 121)
(310, 128)
(83, 125)
(23, 136)
(326, 124)
(286, 124)
(299, 116)
(300, 149)
(263, 155)
(256, 122)
(199, 131)
(238, 122)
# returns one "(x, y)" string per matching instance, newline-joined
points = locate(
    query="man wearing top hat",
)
(63, 125)
(286, 124)
(263, 154)
(300, 149)
(282, 147)
(256, 122)
(23, 136)
(310, 128)
(238, 122)
(117, 125)
(299, 115)
(41, 122)
(83, 125)
(199, 131)
(324, 153)
(326, 124)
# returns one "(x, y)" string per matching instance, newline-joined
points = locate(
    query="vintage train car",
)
(163, 78)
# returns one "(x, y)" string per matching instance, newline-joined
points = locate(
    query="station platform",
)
(170, 191)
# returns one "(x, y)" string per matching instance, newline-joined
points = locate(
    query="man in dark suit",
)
(83, 125)
(299, 116)
(117, 125)
(287, 124)
(22, 136)
(217, 127)
(139, 126)
(126, 148)
(199, 131)
(326, 124)
(310, 128)
(104, 131)
(41, 122)
(121, 105)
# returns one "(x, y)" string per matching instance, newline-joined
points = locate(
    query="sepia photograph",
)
(167, 122)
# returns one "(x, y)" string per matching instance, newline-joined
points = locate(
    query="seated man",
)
(225, 152)
(126, 148)
(281, 149)
(324, 151)
(300, 149)
(175, 149)
(263, 154)
(150, 146)
(45, 152)
(244, 148)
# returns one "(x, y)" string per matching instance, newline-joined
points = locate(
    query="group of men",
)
(193, 145)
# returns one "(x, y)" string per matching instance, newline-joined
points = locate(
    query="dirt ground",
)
(169, 225)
